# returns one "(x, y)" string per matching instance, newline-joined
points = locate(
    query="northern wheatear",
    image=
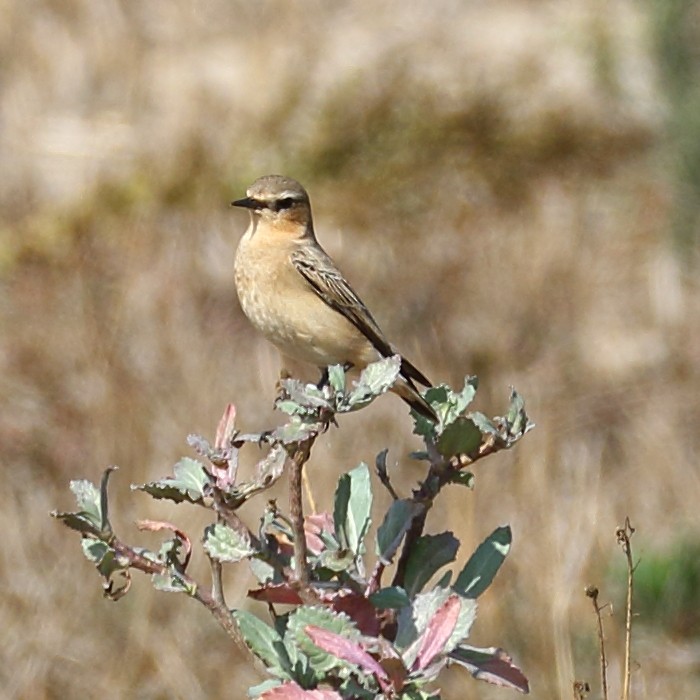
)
(294, 294)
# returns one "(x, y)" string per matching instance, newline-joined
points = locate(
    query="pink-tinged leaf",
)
(314, 525)
(347, 650)
(492, 665)
(157, 525)
(438, 632)
(292, 691)
(359, 610)
(281, 593)
(226, 428)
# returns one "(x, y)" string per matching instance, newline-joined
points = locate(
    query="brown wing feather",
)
(327, 281)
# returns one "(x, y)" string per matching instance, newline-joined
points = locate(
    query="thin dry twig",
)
(624, 539)
(218, 609)
(592, 593)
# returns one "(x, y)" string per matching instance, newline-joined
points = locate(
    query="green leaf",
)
(336, 378)
(187, 483)
(492, 665)
(518, 422)
(296, 430)
(352, 508)
(225, 544)
(376, 379)
(449, 405)
(94, 550)
(479, 571)
(171, 582)
(430, 553)
(395, 525)
(462, 478)
(484, 424)
(459, 437)
(437, 394)
(267, 472)
(466, 396)
(264, 642)
(106, 560)
(336, 559)
(264, 572)
(88, 498)
(392, 597)
(320, 661)
(258, 690)
(105, 525)
(77, 522)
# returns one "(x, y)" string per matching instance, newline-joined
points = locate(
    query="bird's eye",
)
(284, 203)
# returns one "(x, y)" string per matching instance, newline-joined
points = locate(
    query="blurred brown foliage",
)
(497, 181)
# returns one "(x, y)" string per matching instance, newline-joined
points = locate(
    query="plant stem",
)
(299, 456)
(592, 593)
(624, 537)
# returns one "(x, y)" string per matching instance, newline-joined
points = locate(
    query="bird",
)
(294, 294)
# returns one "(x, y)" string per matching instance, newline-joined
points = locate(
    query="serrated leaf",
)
(320, 661)
(187, 483)
(377, 378)
(492, 665)
(352, 508)
(264, 642)
(76, 521)
(430, 553)
(483, 565)
(392, 597)
(395, 525)
(460, 437)
(348, 650)
(225, 544)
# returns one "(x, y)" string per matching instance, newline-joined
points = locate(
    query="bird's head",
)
(279, 202)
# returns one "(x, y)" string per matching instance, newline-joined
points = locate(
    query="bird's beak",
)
(247, 203)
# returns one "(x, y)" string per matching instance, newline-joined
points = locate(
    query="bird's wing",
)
(317, 268)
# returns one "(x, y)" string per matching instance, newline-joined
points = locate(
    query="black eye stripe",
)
(284, 203)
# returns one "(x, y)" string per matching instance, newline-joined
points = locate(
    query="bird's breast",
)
(287, 311)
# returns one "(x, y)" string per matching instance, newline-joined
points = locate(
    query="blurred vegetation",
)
(503, 190)
(668, 589)
(677, 37)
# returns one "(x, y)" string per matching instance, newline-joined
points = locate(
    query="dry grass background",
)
(497, 181)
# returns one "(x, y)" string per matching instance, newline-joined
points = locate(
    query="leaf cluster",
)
(348, 633)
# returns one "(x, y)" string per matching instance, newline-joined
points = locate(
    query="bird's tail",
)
(408, 392)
